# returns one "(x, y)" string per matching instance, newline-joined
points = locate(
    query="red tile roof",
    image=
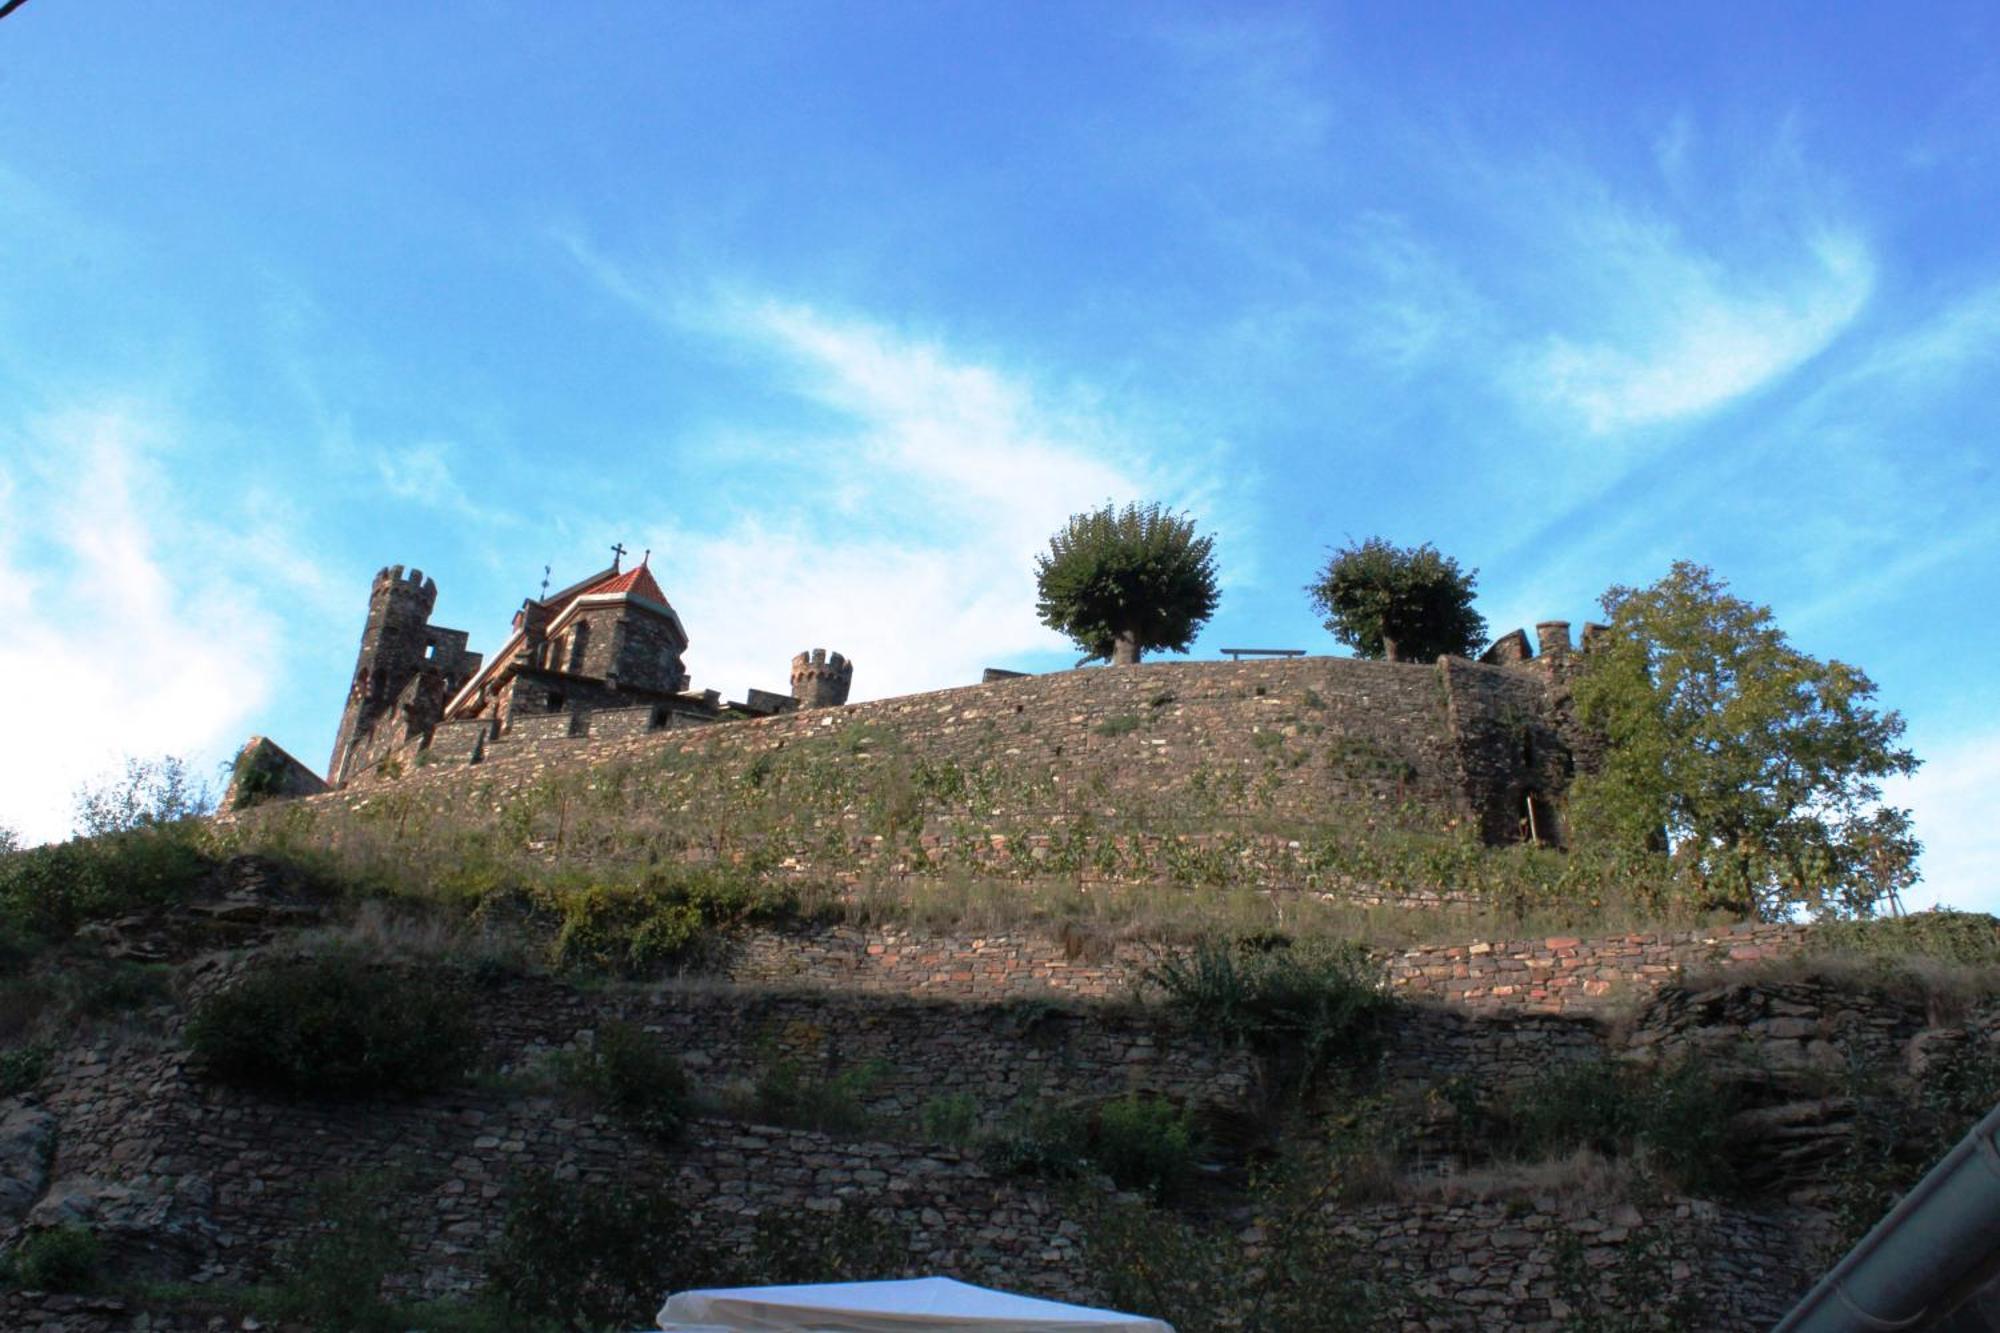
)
(636, 581)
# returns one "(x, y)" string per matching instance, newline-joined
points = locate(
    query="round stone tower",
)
(820, 679)
(392, 651)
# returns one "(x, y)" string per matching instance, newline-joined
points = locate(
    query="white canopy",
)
(915, 1306)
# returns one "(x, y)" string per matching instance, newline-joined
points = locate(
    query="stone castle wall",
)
(1284, 741)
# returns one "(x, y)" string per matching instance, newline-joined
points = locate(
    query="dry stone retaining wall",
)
(1555, 974)
(247, 1166)
(1002, 1057)
(243, 1169)
(1283, 741)
(913, 1050)
(1571, 974)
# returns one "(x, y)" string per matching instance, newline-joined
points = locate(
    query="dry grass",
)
(390, 931)
(1167, 913)
(1164, 866)
(1582, 1175)
(1947, 990)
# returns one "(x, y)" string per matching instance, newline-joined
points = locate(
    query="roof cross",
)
(617, 554)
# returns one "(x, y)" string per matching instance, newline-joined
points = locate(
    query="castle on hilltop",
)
(603, 655)
(1492, 741)
(608, 644)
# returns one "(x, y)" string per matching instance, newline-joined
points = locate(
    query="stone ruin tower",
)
(402, 653)
(820, 679)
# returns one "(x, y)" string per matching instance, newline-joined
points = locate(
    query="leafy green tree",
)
(1121, 582)
(149, 793)
(1756, 766)
(1402, 603)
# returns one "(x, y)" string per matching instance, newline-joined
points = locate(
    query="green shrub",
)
(1124, 724)
(1948, 936)
(787, 1095)
(850, 1244)
(636, 928)
(1582, 1104)
(64, 1258)
(951, 1118)
(634, 1077)
(149, 793)
(592, 1255)
(1637, 1292)
(26, 1002)
(335, 1026)
(1678, 1115)
(51, 890)
(22, 1067)
(1308, 1278)
(19, 945)
(621, 929)
(116, 988)
(258, 776)
(1308, 1005)
(1046, 1140)
(1145, 1143)
(1900, 1133)
(334, 1272)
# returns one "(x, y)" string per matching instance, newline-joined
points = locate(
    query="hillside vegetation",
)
(485, 1047)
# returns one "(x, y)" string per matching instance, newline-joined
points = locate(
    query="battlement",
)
(391, 582)
(1552, 644)
(821, 679)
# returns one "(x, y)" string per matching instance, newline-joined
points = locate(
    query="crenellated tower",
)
(392, 647)
(398, 645)
(820, 679)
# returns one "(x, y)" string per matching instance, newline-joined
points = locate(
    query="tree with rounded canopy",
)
(1405, 604)
(1122, 582)
(1754, 765)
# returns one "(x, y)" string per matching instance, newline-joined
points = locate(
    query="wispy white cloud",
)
(951, 475)
(1689, 332)
(1894, 475)
(1672, 148)
(1250, 85)
(423, 474)
(1414, 303)
(117, 606)
(1960, 337)
(904, 532)
(1951, 803)
(959, 438)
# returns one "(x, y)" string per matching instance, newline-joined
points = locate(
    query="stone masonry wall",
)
(1555, 974)
(1000, 1056)
(237, 1172)
(242, 1169)
(1307, 732)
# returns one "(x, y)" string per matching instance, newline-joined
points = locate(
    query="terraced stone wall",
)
(1553, 974)
(225, 1178)
(1255, 742)
(905, 1052)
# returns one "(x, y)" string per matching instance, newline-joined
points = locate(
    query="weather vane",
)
(545, 583)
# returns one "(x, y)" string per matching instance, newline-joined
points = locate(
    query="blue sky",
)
(841, 309)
